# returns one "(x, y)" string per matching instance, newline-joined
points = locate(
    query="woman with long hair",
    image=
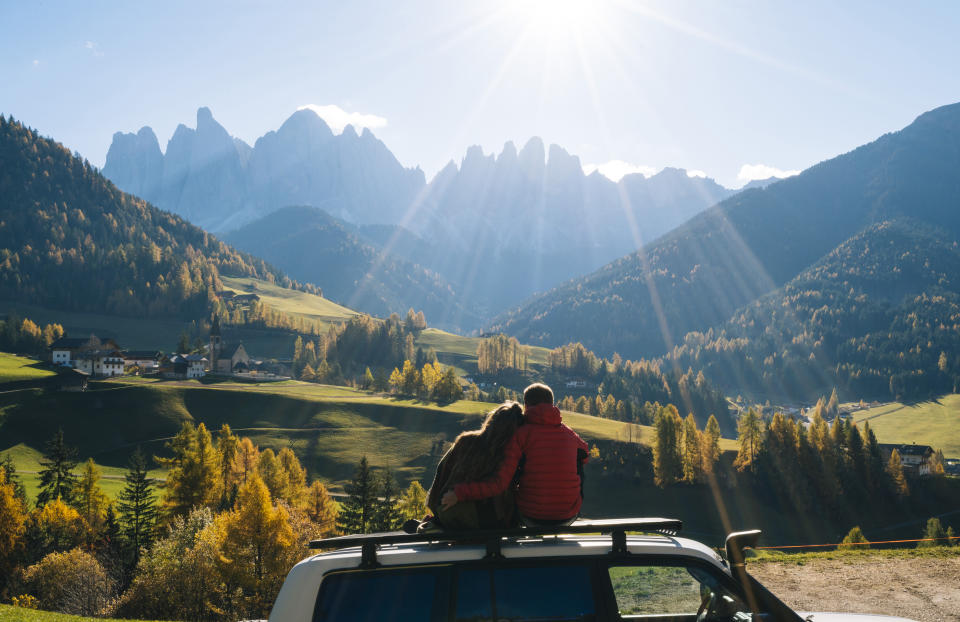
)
(476, 455)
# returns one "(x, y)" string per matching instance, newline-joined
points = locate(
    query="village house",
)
(186, 366)
(915, 458)
(146, 360)
(103, 363)
(64, 351)
(576, 383)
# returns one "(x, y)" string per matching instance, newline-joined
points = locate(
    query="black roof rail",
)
(616, 527)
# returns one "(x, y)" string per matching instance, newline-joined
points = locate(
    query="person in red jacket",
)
(549, 456)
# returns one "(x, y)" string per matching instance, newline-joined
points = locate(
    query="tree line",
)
(24, 336)
(212, 542)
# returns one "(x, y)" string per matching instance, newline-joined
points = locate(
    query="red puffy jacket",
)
(549, 483)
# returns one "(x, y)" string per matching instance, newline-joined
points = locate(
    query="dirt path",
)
(924, 588)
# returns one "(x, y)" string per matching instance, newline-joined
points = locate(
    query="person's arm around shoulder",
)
(492, 486)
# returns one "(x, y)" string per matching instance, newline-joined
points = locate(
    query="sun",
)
(553, 19)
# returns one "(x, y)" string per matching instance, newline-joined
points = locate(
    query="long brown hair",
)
(481, 451)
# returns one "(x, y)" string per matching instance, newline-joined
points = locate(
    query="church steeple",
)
(216, 343)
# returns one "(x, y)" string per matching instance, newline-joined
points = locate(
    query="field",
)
(935, 423)
(291, 302)
(15, 368)
(330, 428)
(27, 460)
(17, 614)
(919, 584)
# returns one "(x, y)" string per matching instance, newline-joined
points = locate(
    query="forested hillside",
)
(69, 239)
(312, 246)
(877, 316)
(701, 274)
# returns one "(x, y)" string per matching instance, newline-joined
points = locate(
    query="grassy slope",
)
(935, 423)
(290, 301)
(330, 428)
(14, 368)
(17, 614)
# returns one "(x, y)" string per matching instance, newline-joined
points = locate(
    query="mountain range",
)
(219, 182)
(780, 247)
(495, 228)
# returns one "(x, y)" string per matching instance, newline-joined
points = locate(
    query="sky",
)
(736, 90)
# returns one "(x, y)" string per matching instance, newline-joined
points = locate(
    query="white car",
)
(534, 575)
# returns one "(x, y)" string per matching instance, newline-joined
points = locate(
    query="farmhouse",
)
(147, 360)
(915, 458)
(99, 362)
(64, 351)
(186, 366)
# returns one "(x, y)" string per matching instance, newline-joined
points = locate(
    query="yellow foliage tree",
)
(321, 508)
(296, 478)
(256, 536)
(90, 499)
(194, 477)
(245, 461)
(13, 519)
(413, 502)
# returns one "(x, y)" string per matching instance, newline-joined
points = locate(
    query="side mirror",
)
(737, 542)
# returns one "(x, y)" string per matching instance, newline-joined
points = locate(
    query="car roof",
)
(526, 548)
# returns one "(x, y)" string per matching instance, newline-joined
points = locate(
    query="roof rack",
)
(617, 528)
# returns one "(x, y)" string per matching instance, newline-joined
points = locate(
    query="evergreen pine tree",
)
(357, 510)
(386, 515)
(10, 475)
(57, 479)
(137, 507)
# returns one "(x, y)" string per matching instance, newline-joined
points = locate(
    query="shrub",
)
(72, 582)
(855, 540)
(934, 534)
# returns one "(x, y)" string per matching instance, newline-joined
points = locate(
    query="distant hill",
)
(750, 245)
(69, 239)
(315, 247)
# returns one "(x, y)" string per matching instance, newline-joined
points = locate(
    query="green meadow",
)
(935, 423)
(9, 613)
(329, 427)
(15, 368)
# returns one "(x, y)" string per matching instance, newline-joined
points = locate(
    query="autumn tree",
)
(691, 458)
(295, 477)
(90, 499)
(13, 520)
(57, 479)
(413, 502)
(256, 534)
(710, 445)
(895, 471)
(244, 462)
(933, 534)
(750, 437)
(227, 446)
(667, 463)
(321, 508)
(194, 475)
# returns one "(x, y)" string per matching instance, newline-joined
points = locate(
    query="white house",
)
(147, 360)
(65, 350)
(99, 362)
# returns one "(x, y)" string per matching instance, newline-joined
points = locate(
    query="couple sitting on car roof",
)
(522, 466)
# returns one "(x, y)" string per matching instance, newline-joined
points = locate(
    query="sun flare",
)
(553, 19)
